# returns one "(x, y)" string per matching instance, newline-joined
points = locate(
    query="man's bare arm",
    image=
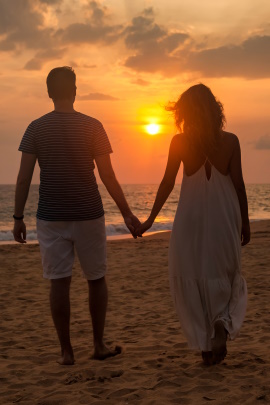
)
(27, 166)
(109, 179)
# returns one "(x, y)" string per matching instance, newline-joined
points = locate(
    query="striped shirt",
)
(66, 145)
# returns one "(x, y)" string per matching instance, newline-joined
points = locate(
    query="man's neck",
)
(65, 106)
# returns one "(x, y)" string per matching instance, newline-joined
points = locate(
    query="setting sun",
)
(152, 129)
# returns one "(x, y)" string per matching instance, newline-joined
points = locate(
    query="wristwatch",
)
(18, 218)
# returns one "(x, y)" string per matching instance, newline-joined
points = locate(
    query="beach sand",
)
(156, 367)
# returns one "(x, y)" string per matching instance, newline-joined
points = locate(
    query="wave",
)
(8, 235)
(111, 230)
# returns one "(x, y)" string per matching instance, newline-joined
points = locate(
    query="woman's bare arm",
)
(167, 183)
(236, 174)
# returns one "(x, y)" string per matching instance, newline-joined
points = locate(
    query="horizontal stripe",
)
(66, 145)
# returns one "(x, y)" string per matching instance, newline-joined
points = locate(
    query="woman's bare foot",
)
(67, 358)
(103, 352)
(207, 358)
(219, 347)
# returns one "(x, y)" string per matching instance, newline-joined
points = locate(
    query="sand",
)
(156, 366)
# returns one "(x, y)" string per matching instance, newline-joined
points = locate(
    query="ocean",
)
(140, 199)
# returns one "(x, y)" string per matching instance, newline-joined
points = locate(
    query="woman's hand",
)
(144, 227)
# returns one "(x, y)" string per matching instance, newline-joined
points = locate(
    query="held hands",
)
(135, 227)
(143, 227)
(132, 223)
(19, 231)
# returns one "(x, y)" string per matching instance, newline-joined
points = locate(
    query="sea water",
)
(140, 198)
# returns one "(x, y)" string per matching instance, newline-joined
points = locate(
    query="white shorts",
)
(57, 240)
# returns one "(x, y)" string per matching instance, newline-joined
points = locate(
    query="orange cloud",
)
(96, 96)
(155, 45)
(148, 46)
(263, 142)
(250, 59)
(23, 26)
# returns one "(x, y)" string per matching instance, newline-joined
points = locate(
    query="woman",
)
(209, 292)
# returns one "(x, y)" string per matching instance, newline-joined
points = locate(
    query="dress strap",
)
(207, 160)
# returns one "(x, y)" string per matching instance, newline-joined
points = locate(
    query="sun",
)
(152, 129)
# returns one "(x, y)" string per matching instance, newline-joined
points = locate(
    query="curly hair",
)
(61, 83)
(199, 115)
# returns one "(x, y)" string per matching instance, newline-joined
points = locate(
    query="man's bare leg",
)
(98, 299)
(60, 309)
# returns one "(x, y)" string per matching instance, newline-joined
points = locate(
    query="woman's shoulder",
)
(179, 139)
(179, 142)
(229, 141)
(229, 137)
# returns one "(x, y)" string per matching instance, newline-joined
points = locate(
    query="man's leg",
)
(60, 309)
(98, 299)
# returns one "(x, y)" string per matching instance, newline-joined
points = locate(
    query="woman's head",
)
(200, 116)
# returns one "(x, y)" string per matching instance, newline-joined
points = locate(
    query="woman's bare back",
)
(193, 158)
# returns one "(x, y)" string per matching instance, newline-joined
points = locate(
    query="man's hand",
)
(28, 162)
(19, 231)
(133, 223)
(143, 227)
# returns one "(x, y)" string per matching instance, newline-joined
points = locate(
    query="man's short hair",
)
(61, 83)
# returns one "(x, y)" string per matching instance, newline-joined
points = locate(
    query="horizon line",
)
(129, 184)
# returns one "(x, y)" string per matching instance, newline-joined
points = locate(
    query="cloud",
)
(82, 65)
(250, 59)
(143, 29)
(51, 2)
(42, 57)
(23, 25)
(86, 66)
(263, 142)
(141, 82)
(153, 59)
(173, 53)
(89, 33)
(149, 47)
(34, 64)
(97, 97)
(154, 45)
(96, 29)
(27, 29)
(172, 41)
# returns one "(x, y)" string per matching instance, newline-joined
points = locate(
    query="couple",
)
(211, 220)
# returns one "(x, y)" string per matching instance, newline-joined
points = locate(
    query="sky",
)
(131, 58)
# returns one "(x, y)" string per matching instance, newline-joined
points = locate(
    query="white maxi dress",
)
(205, 258)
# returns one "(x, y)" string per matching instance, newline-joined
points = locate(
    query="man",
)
(70, 212)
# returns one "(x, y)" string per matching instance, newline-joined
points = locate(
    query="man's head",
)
(61, 83)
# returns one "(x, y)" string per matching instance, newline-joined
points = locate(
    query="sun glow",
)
(152, 129)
